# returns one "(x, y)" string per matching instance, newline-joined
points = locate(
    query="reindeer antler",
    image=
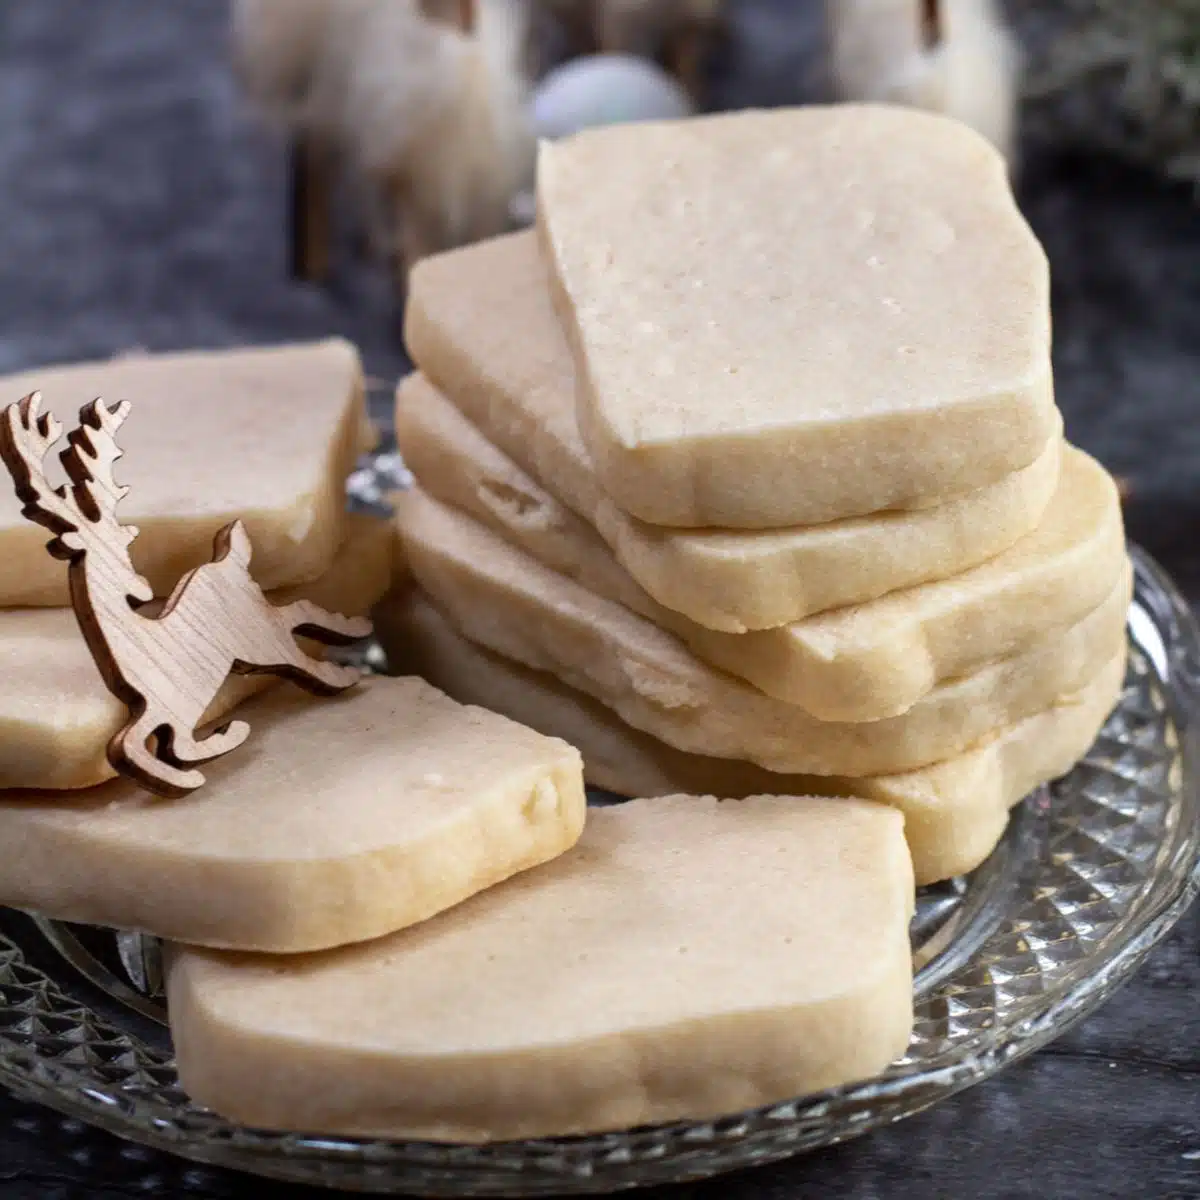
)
(26, 437)
(91, 453)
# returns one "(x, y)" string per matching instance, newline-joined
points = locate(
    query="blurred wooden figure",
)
(956, 57)
(275, 46)
(677, 34)
(420, 103)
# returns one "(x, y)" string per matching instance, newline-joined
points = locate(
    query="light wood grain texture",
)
(165, 662)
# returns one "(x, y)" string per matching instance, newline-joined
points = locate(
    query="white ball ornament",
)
(605, 89)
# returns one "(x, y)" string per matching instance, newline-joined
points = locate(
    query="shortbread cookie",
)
(844, 665)
(267, 435)
(689, 957)
(789, 317)
(954, 811)
(340, 820)
(480, 324)
(500, 597)
(56, 715)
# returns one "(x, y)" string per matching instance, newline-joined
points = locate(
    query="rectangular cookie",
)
(796, 316)
(339, 821)
(481, 327)
(689, 957)
(503, 599)
(267, 435)
(864, 663)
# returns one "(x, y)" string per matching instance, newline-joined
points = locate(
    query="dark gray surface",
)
(138, 207)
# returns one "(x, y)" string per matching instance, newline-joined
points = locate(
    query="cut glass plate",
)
(1092, 872)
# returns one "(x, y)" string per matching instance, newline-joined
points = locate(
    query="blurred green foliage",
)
(1123, 74)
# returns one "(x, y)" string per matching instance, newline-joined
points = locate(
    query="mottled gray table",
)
(139, 208)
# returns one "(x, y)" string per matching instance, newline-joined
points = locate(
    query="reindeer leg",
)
(184, 749)
(314, 675)
(309, 620)
(130, 754)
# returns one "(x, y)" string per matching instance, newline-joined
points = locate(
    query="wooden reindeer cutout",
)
(166, 663)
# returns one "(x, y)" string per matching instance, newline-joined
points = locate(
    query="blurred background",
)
(199, 174)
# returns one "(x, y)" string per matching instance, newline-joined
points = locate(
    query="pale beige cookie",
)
(480, 324)
(267, 435)
(689, 957)
(789, 317)
(954, 811)
(56, 715)
(502, 598)
(340, 820)
(913, 639)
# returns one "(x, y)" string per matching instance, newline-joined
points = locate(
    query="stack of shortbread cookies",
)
(743, 473)
(740, 477)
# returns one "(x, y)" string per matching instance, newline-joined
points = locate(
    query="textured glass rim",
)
(610, 1162)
